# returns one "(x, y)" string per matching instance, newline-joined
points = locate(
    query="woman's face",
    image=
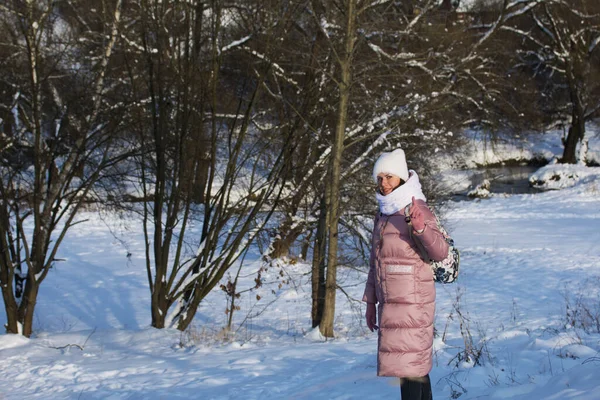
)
(387, 183)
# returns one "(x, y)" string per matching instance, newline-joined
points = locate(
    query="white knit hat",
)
(391, 163)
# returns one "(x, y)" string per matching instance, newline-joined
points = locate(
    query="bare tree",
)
(568, 35)
(203, 70)
(559, 49)
(57, 141)
(343, 56)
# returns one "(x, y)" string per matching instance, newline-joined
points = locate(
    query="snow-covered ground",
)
(524, 258)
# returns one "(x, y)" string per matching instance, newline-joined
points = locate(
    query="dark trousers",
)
(416, 388)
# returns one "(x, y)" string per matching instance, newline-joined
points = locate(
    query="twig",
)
(591, 359)
(347, 295)
(89, 336)
(67, 346)
(80, 347)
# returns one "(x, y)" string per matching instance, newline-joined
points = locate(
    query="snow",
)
(524, 258)
(11, 341)
(557, 176)
(481, 191)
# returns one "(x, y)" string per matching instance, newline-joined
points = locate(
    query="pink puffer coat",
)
(402, 285)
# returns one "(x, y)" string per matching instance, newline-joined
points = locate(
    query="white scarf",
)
(401, 196)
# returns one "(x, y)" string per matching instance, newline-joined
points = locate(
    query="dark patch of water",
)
(512, 179)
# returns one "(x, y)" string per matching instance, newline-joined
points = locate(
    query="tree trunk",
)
(306, 245)
(577, 129)
(27, 306)
(283, 243)
(575, 135)
(159, 307)
(345, 61)
(318, 267)
(10, 305)
(193, 299)
(7, 270)
(200, 179)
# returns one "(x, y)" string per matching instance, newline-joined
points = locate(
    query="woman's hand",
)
(371, 317)
(416, 216)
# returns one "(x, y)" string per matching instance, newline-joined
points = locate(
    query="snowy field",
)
(524, 259)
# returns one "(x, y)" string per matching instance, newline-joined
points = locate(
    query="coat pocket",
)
(400, 284)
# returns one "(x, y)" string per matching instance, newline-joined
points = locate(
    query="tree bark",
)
(576, 133)
(287, 237)
(577, 128)
(7, 272)
(281, 246)
(27, 307)
(318, 267)
(345, 64)
(10, 305)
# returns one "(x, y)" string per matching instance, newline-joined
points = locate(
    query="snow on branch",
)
(594, 44)
(421, 66)
(403, 57)
(394, 57)
(132, 43)
(526, 35)
(277, 68)
(579, 36)
(487, 34)
(368, 126)
(561, 41)
(543, 28)
(462, 96)
(557, 69)
(577, 12)
(319, 163)
(325, 25)
(229, 116)
(529, 4)
(415, 20)
(520, 7)
(235, 43)
(372, 4)
(360, 159)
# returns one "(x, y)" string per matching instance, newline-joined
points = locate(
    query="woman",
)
(399, 281)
